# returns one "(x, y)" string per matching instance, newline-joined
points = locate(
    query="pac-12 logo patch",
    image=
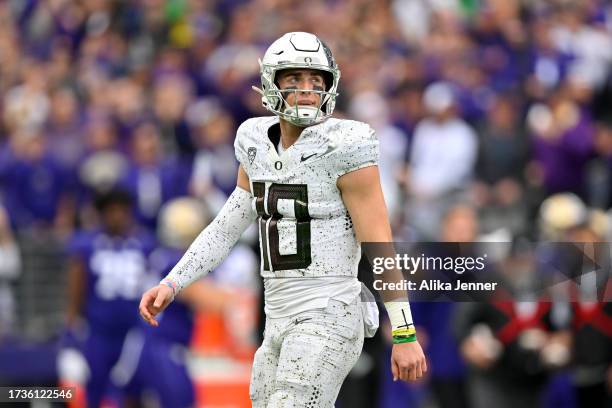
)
(252, 152)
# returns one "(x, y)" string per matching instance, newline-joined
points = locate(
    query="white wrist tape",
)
(400, 317)
(214, 243)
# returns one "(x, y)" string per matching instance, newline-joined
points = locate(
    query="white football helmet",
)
(180, 221)
(298, 50)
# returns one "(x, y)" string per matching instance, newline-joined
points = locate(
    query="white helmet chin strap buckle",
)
(301, 115)
(301, 111)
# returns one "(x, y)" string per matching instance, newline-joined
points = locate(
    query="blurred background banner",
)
(495, 125)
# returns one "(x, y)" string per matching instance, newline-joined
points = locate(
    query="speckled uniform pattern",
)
(214, 243)
(316, 160)
(304, 359)
(306, 232)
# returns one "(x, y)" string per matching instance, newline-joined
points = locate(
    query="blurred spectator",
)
(36, 186)
(503, 153)
(562, 138)
(549, 65)
(407, 106)
(128, 105)
(64, 128)
(591, 46)
(171, 96)
(27, 104)
(371, 107)
(503, 51)
(151, 177)
(442, 160)
(213, 176)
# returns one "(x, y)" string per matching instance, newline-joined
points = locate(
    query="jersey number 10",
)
(268, 225)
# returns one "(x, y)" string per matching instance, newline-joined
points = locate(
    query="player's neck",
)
(289, 133)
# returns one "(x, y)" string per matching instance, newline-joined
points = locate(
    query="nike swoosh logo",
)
(304, 158)
(329, 150)
(298, 321)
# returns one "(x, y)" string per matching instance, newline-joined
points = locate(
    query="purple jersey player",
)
(107, 271)
(153, 362)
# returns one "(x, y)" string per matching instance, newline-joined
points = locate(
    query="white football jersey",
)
(305, 230)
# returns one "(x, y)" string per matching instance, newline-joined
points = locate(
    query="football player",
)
(107, 273)
(154, 361)
(312, 184)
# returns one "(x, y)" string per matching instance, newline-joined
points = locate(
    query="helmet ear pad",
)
(328, 77)
(277, 101)
(281, 99)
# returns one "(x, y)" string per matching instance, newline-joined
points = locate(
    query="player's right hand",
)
(154, 301)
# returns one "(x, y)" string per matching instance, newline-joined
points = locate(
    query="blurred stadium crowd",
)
(485, 110)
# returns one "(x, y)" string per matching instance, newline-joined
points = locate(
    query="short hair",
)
(115, 196)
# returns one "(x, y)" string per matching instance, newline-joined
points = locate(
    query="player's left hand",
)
(408, 361)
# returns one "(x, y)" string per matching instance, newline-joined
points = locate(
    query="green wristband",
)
(404, 339)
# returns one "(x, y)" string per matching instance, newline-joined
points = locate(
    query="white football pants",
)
(304, 358)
